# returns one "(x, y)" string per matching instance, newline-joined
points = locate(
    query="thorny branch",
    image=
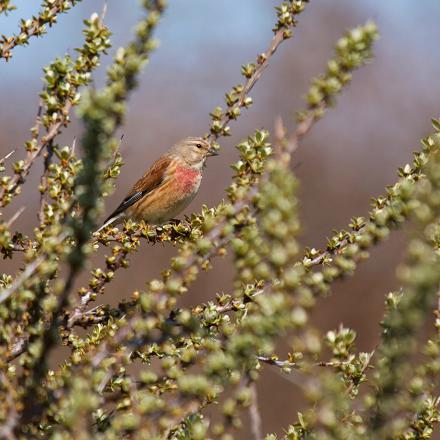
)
(36, 26)
(33, 154)
(254, 414)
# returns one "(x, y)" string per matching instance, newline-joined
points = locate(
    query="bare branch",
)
(12, 220)
(254, 414)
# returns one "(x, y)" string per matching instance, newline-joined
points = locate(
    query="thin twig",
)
(18, 347)
(263, 62)
(36, 27)
(7, 427)
(27, 273)
(19, 179)
(30, 269)
(7, 156)
(254, 414)
(12, 220)
(79, 311)
(43, 181)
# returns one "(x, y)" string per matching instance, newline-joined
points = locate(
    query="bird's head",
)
(193, 151)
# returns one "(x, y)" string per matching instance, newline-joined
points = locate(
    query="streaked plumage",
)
(168, 186)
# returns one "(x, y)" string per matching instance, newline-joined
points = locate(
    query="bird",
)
(168, 186)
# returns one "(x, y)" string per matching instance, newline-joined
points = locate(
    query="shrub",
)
(210, 356)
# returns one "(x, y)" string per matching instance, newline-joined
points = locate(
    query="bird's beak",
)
(212, 152)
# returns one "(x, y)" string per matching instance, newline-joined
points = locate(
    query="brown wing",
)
(147, 183)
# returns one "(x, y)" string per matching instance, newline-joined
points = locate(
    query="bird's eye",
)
(199, 145)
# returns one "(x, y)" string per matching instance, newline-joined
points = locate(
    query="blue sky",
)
(190, 24)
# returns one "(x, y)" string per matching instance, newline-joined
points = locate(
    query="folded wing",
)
(151, 180)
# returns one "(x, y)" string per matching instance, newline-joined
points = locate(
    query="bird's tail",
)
(110, 221)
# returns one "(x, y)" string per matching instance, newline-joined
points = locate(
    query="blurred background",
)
(350, 156)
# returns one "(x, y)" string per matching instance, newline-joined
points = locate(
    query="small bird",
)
(168, 187)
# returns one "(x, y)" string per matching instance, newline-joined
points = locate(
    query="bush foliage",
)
(197, 369)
